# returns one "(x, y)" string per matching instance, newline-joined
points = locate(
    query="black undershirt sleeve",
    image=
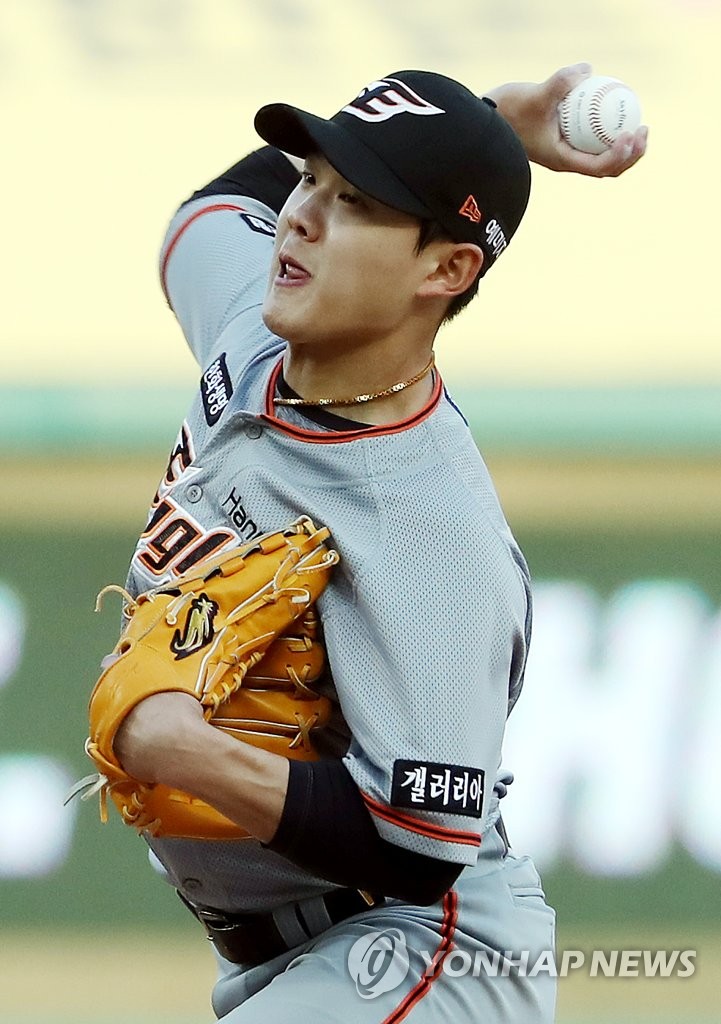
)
(266, 175)
(326, 829)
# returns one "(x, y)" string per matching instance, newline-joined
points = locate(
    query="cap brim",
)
(299, 133)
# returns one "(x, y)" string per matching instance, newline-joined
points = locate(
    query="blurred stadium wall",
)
(589, 369)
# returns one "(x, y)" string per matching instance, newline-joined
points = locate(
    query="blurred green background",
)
(589, 368)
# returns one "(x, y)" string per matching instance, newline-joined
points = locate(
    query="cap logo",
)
(382, 100)
(470, 210)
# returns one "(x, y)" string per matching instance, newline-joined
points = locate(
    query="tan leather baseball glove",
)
(240, 634)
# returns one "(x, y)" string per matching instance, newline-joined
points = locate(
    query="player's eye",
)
(350, 198)
(307, 178)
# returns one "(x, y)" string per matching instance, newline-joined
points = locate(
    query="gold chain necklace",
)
(360, 399)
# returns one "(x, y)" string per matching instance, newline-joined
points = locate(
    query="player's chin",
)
(272, 314)
(284, 323)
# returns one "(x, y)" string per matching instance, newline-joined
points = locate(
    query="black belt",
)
(255, 938)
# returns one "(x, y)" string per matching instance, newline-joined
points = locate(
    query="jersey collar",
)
(341, 436)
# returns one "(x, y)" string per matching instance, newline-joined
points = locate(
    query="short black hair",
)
(431, 231)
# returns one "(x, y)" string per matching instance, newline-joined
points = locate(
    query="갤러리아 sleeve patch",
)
(438, 787)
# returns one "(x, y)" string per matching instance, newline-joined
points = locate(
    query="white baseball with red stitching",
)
(596, 112)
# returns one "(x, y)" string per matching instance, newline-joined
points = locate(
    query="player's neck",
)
(363, 371)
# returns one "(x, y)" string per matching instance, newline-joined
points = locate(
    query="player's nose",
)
(305, 217)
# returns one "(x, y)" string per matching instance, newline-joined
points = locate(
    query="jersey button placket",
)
(194, 493)
(253, 431)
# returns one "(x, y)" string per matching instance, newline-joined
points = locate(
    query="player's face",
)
(345, 268)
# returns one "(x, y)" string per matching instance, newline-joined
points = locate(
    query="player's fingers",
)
(562, 81)
(573, 160)
(640, 141)
(638, 146)
(626, 151)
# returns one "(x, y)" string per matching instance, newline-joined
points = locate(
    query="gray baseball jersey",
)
(427, 618)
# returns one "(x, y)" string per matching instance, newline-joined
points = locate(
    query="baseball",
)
(596, 112)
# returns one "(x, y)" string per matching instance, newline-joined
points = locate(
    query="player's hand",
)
(159, 735)
(532, 110)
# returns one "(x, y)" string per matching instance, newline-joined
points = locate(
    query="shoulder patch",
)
(438, 787)
(259, 224)
(216, 389)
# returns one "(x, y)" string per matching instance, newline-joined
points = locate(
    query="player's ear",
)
(454, 269)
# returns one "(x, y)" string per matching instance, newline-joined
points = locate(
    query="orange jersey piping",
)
(424, 828)
(340, 436)
(176, 238)
(423, 987)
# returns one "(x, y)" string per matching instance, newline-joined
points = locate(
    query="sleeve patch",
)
(216, 389)
(259, 224)
(449, 788)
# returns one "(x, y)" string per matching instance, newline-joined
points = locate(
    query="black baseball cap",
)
(424, 144)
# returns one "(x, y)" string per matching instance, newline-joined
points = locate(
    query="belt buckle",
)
(368, 898)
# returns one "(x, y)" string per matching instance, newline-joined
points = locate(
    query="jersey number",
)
(172, 542)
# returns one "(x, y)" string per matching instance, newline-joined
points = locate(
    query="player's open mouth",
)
(290, 271)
